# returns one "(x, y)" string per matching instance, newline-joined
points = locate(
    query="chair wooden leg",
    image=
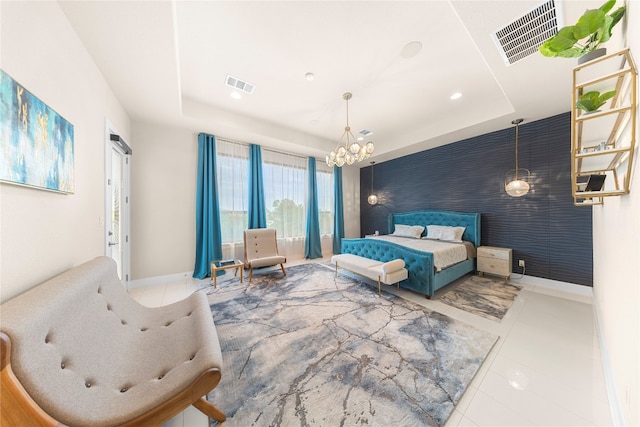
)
(250, 273)
(209, 410)
(378, 285)
(282, 267)
(336, 269)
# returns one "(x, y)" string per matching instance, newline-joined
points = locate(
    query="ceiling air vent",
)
(236, 83)
(365, 132)
(522, 37)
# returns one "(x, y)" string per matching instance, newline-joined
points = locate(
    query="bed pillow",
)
(413, 231)
(434, 232)
(452, 234)
(444, 232)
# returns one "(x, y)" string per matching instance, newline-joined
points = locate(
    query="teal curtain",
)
(312, 245)
(208, 236)
(257, 211)
(338, 211)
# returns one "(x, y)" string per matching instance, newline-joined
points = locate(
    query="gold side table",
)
(217, 265)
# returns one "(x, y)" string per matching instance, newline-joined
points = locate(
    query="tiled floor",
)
(545, 370)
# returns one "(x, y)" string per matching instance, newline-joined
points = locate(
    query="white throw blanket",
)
(445, 254)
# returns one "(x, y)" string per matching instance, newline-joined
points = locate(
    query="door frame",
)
(114, 141)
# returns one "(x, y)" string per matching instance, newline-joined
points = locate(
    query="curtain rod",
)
(266, 148)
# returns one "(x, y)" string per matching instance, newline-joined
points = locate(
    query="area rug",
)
(310, 349)
(484, 296)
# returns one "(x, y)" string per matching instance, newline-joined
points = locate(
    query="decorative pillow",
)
(443, 232)
(413, 231)
(434, 231)
(452, 234)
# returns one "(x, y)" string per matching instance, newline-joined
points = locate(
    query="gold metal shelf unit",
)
(603, 141)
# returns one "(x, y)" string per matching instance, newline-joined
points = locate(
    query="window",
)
(285, 193)
(324, 178)
(285, 189)
(233, 188)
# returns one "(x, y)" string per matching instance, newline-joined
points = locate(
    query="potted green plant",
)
(590, 102)
(587, 35)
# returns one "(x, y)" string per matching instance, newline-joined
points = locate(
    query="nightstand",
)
(494, 260)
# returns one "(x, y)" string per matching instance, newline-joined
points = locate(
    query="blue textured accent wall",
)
(544, 228)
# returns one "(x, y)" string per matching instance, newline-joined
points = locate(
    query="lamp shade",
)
(516, 182)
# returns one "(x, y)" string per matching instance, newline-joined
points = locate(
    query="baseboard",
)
(159, 280)
(615, 405)
(571, 290)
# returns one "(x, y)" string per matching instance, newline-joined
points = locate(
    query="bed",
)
(427, 273)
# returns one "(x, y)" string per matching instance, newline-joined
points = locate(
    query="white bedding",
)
(445, 254)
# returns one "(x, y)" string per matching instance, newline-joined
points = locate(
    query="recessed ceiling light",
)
(310, 76)
(236, 95)
(456, 95)
(411, 49)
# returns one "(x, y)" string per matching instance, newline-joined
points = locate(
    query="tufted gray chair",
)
(77, 350)
(261, 250)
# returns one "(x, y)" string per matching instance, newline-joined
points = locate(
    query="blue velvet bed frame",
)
(422, 275)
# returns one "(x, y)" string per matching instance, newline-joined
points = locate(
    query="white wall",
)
(163, 200)
(44, 233)
(163, 169)
(616, 251)
(351, 200)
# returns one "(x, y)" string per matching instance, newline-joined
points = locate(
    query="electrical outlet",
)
(521, 263)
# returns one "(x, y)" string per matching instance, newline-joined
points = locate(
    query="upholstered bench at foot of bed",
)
(384, 272)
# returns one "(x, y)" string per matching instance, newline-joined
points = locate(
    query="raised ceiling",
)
(167, 62)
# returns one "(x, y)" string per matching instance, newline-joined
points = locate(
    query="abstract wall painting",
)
(36, 143)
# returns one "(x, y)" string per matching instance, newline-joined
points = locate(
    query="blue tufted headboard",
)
(458, 219)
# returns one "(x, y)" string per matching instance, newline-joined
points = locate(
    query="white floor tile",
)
(487, 411)
(177, 421)
(454, 419)
(466, 398)
(580, 401)
(194, 418)
(540, 410)
(466, 422)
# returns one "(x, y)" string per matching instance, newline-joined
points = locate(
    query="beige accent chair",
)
(261, 250)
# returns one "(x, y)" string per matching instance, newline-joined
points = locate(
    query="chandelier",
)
(348, 150)
(517, 181)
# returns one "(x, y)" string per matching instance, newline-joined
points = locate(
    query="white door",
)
(117, 202)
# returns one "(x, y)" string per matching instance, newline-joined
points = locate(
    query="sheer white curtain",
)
(233, 191)
(285, 188)
(324, 177)
(285, 191)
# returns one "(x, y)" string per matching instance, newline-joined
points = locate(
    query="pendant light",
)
(372, 199)
(517, 182)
